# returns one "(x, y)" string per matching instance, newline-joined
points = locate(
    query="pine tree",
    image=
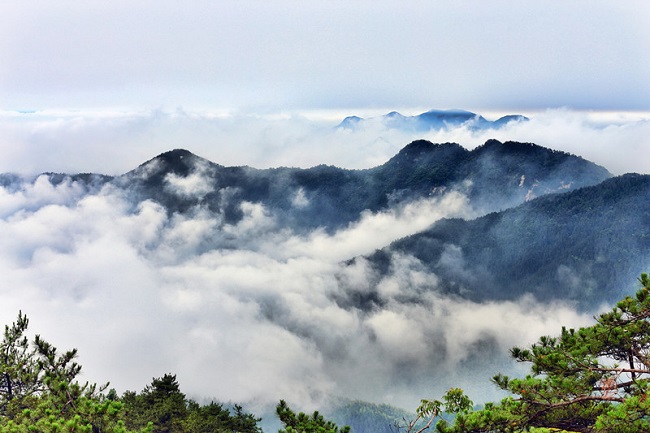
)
(39, 391)
(20, 376)
(594, 379)
(303, 423)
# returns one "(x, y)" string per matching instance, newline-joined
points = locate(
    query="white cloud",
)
(256, 309)
(300, 200)
(154, 288)
(375, 230)
(36, 194)
(196, 184)
(141, 293)
(614, 142)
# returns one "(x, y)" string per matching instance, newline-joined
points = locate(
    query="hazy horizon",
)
(113, 142)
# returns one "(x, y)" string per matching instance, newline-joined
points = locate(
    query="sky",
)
(105, 86)
(284, 55)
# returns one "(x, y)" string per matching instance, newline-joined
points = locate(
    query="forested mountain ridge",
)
(494, 176)
(541, 247)
(583, 246)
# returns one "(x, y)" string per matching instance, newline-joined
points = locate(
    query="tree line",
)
(595, 379)
(39, 392)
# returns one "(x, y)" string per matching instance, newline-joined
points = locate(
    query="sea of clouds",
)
(251, 312)
(113, 142)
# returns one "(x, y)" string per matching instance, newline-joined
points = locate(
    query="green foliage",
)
(88, 415)
(165, 409)
(163, 403)
(19, 372)
(594, 379)
(39, 393)
(453, 402)
(214, 418)
(303, 423)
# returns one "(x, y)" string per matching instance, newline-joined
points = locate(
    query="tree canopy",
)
(303, 423)
(39, 393)
(162, 405)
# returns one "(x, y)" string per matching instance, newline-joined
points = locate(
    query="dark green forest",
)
(586, 246)
(490, 175)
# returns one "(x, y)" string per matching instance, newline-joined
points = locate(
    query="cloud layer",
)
(115, 142)
(248, 312)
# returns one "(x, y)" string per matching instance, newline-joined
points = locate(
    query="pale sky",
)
(287, 55)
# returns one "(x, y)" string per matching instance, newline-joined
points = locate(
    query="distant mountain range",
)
(434, 120)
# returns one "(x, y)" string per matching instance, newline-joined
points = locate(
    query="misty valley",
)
(354, 292)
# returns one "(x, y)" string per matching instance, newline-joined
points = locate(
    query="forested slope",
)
(581, 246)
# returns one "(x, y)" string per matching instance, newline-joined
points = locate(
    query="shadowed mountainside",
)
(553, 246)
(585, 246)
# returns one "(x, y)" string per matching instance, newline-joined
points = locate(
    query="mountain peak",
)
(452, 112)
(350, 122)
(175, 154)
(512, 147)
(178, 161)
(426, 155)
(501, 121)
(421, 146)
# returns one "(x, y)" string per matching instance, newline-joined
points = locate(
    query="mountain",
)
(534, 248)
(434, 120)
(350, 122)
(360, 416)
(532, 240)
(493, 176)
(368, 417)
(586, 246)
